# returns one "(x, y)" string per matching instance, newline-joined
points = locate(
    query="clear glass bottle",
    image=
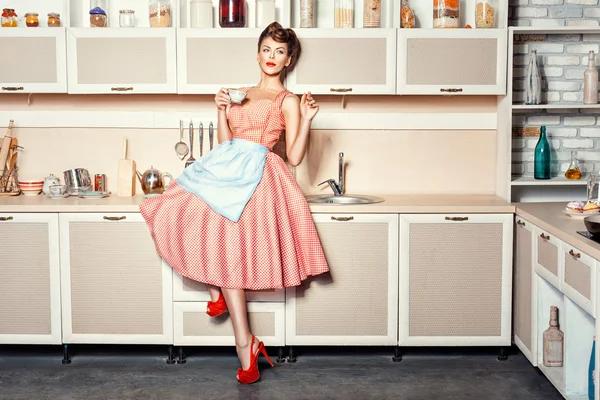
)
(371, 13)
(485, 13)
(446, 13)
(232, 13)
(127, 18)
(590, 81)
(593, 186)
(407, 16)
(533, 82)
(201, 14)
(553, 340)
(344, 13)
(265, 13)
(159, 13)
(541, 158)
(307, 13)
(573, 172)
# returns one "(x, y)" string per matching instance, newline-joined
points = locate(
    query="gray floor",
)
(98, 374)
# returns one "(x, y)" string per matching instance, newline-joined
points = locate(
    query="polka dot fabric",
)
(273, 245)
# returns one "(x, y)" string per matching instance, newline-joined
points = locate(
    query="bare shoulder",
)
(290, 102)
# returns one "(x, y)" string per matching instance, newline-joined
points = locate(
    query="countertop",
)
(393, 204)
(550, 218)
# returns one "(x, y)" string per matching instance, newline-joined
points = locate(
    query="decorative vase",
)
(533, 84)
(541, 157)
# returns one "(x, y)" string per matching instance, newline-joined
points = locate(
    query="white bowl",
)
(236, 96)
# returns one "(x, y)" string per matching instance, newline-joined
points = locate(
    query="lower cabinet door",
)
(29, 279)
(578, 278)
(546, 257)
(193, 327)
(116, 289)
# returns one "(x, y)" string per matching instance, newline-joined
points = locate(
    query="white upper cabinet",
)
(452, 61)
(345, 61)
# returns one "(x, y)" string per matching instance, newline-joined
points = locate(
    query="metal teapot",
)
(153, 181)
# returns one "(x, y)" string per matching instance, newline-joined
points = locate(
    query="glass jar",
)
(160, 14)
(98, 18)
(9, 18)
(265, 13)
(593, 184)
(446, 13)
(485, 13)
(232, 13)
(32, 20)
(372, 14)
(53, 20)
(201, 14)
(306, 13)
(344, 13)
(407, 15)
(127, 18)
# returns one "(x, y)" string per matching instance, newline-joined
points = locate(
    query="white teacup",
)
(58, 190)
(236, 96)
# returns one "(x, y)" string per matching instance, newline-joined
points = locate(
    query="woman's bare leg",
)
(236, 303)
(214, 292)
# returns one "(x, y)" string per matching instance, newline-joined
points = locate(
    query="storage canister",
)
(160, 13)
(232, 13)
(446, 13)
(344, 13)
(201, 14)
(307, 13)
(265, 13)
(372, 14)
(127, 18)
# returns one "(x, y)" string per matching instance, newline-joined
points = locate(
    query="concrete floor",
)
(101, 373)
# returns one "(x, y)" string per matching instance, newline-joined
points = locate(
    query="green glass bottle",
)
(541, 158)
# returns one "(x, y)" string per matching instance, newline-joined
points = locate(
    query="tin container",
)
(100, 182)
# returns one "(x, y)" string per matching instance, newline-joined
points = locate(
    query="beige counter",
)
(392, 204)
(549, 217)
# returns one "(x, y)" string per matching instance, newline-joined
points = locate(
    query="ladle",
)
(180, 147)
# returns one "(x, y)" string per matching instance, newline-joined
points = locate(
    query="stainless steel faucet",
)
(337, 187)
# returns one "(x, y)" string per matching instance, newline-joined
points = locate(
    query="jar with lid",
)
(9, 18)
(265, 13)
(98, 13)
(407, 15)
(160, 13)
(372, 14)
(201, 14)
(53, 20)
(306, 13)
(232, 13)
(446, 13)
(485, 13)
(344, 13)
(32, 20)
(127, 18)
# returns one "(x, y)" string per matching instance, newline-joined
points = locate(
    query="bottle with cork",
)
(590, 81)
(553, 340)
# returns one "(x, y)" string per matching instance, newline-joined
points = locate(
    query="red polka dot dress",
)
(274, 244)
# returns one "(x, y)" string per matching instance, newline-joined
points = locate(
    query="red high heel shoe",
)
(252, 374)
(216, 308)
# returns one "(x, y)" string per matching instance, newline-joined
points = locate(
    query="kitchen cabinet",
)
(546, 260)
(34, 60)
(452, 61)
(356, 303)
(140, 60)
(116, 289)
(455, 279)
(345, 61)
(578, 277)
(193, 327)
(30, 279)
(524, 284)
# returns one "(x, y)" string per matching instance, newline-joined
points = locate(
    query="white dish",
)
(58, 196)
(580, 215)
(93, 195)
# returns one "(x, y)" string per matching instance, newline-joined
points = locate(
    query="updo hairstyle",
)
(276, 32)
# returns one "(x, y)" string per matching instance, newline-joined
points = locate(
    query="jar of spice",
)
(32, 20)
(446, 13)
(306, 13)
(127, 18)
(265, 13)
(9, 18)
(407, 16)
(53, 20)
(485, 13)
(160, 13)
(344, 13)
(232, 13)
(372, 14)
(98, 18)
(201, 14)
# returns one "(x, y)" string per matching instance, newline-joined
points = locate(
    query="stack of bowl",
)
(31, 188)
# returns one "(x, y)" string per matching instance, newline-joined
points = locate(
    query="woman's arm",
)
(298, 115)
(222, 100)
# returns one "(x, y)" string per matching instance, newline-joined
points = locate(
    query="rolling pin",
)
(5, 147)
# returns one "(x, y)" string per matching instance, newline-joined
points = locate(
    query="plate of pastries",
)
(579, 209)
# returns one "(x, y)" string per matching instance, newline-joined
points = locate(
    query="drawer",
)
(546, 257)
(186, 289)
(578, 277)
(193, 327)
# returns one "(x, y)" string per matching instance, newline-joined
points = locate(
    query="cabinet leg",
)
(397, 354)
(502, 354)
(181, 358)
(170, 357)
(281, 355)
(66, 359)
(291, 355)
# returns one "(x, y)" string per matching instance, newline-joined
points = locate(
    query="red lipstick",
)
(270, 64)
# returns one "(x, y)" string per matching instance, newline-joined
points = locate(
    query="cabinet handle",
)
(451, 90)
(546, 237)
(457, 218)
(12, 88)
(114, 218)
(342, 218)
(340, 90)
(576, 255)
(121, 89)
(520, 223)
(6, 218)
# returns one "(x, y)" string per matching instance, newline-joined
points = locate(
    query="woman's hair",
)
(276, 32)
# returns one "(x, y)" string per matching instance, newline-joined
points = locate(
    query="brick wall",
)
(562, 60)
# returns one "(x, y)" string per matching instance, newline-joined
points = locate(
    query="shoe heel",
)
(264, 353)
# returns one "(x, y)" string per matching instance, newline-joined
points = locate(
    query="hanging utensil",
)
(191, 160)
(201, 138)
(210, 135)
(181, 148)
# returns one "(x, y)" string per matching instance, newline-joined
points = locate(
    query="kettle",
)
(49, 181)
(153, 181)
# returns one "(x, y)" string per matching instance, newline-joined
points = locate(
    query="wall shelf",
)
(573, 106)
(557, 180)
(564, 30)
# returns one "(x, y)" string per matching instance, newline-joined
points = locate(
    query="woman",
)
(236, 219)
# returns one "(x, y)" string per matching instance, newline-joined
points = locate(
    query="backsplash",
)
(553, 13)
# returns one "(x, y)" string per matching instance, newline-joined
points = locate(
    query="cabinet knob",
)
(6, 218)
(457, 218)
(520, 223)
(576, 255)
(345, 90)
(451, 90)
(546, 237)
(114, 218)
(12, 88)
(342, 218)
(121, 89)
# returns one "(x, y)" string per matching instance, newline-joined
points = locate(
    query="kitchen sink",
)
(343, 199)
